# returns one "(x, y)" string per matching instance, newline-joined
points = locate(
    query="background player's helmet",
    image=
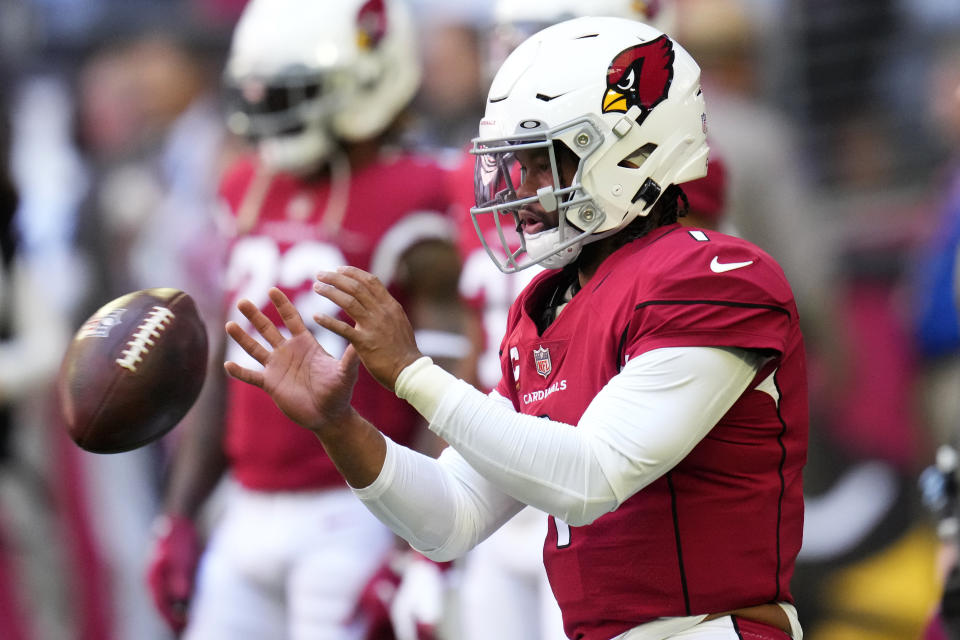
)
(622, 96)
(301, 75)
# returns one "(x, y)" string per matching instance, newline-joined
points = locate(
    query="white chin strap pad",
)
(545, 244)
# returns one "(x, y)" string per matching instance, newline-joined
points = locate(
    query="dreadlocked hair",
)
(670, 207)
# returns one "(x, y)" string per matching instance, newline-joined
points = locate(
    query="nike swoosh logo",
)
(722, 267)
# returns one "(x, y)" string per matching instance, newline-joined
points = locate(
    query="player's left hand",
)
(382, 334)
(373, 606)
(308, 384)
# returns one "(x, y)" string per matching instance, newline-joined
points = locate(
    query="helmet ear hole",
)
(636, 159)
(567, 161)
(565, 153)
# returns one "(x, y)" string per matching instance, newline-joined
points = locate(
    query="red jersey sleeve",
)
(724, 293)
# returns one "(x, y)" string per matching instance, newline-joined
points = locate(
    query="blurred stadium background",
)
(840, 123)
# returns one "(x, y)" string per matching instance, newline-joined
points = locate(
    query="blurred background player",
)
(319, 89)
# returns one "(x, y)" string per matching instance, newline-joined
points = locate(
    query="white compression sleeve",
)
(442, 507)
(645, 420)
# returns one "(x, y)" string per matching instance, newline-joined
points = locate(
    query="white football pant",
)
(287, 566)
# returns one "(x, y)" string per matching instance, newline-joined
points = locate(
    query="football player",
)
(653, 396)
(318, 88)
(502, 573)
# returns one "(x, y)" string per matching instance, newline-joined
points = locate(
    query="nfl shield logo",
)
(541, 357)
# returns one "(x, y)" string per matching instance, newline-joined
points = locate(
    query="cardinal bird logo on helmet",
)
(639, 75)
(371, 24)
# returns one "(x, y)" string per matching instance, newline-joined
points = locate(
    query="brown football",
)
(133, 370)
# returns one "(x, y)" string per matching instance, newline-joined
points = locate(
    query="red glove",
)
(403, 600)
(172, 568)
(376, 597)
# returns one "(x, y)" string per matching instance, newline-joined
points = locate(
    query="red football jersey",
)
(722, 529)
(300, 229)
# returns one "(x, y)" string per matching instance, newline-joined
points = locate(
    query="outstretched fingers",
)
(261, 323)
(288, 313)
(374, 291)
(334, 325)
(253, 348)
(351, 289)
(266, 328)
(243, 374)
(256, 350)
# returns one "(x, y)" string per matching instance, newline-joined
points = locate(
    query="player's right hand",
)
(172, 568)
(308, 384)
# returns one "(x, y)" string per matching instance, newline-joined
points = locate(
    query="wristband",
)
(424, 385)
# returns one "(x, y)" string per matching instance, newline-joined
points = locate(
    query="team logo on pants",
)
(541, 357)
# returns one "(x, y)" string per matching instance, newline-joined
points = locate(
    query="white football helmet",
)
(622, 96)
(515, 21)
(301, 75)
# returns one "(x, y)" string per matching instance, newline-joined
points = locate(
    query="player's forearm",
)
(442, 507)
(356, 448)
(402, 506)
(195, 474)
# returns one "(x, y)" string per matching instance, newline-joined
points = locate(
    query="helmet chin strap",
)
(542, 247)
(545, 242)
